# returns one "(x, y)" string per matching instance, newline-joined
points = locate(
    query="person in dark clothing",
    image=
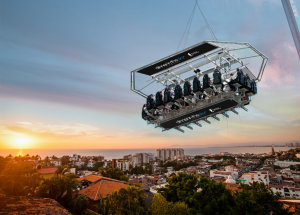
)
(150, 102)
(247, 81)
(144, 114)
(253, 86)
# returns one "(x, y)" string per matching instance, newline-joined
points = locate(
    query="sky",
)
(65, 72)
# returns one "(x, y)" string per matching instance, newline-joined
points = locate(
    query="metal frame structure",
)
(293, 19)
(206, 56)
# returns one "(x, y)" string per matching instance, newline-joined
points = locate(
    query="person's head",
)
(237, 69)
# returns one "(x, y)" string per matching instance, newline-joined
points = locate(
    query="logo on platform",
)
(192, 53)
(214, 109)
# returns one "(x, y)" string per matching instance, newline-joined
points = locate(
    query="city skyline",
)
(65, 72)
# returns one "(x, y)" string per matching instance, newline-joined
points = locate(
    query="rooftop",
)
(50, 170)
(103, 187)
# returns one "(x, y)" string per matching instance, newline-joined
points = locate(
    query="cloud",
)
(74, 129)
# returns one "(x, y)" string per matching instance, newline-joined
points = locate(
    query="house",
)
(88, 180)
(257, 176)
(101, 188)
(224, 174)
(48, 172)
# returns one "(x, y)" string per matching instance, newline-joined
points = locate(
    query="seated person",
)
(150, 102)
(187, 91)
(158, 99)
(247, 81)
(145, 114)
(253, 86)
(239, 74)
(206, 81)
(196, 85)
(242, 79)
(178, 92)
(217, 77)
(167, 95)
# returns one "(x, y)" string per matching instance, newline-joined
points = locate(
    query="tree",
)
(161, 206)
(80, 204)
(180, 187)
(114, 173)
(211, 198)
(18, 177)
(59, 188)
(258, 198)
(128, 201)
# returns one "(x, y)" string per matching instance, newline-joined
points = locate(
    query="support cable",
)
(207, 24)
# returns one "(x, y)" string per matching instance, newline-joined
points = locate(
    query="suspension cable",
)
(187, 28)
(207, 24)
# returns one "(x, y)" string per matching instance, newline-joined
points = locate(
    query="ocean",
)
(119, 153)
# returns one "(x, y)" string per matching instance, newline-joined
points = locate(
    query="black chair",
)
(187, 91)
(197, 87)
(178, 93)
(159, 100)
(206, 82)
(167, 96)
(217, 76)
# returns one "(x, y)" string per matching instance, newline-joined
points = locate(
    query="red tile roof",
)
(90, 178)
(50, 170)
(103, 187)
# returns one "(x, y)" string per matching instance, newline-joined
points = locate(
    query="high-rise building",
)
(169, 153)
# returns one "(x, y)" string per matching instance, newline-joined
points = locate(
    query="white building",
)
(123, 164)
(255, 176)
(224, 174)
(286, 191)
(169, 153)
(56, 162)
(284, 164)
(91, 164)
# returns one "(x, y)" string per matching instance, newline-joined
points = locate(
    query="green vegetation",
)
(138, 170)
(114, 173)
(18, 176)
(161, 206)
(128, 201)
(206, 196)
(177, 166)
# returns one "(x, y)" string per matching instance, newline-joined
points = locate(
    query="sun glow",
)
(22, 141)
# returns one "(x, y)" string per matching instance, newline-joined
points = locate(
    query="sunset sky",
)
(65, 72)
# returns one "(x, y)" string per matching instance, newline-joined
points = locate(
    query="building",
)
(224, 174)
(169, 153)
(140, 159)
(48, 172)
(284, 164)
(255, 176)
(100, 188)
(114, 163)
(286, 191)
(123, 164)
